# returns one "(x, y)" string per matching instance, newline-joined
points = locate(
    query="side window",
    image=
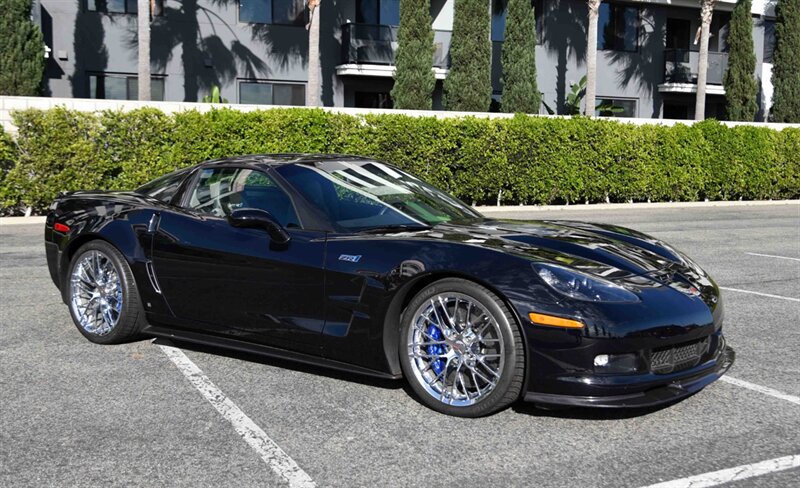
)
(163, 188)
(219, 191)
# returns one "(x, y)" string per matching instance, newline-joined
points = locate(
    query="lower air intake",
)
(673, 359)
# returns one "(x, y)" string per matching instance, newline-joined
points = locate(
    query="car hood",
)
(576, 244)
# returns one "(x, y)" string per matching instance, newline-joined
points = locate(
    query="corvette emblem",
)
(350, 258)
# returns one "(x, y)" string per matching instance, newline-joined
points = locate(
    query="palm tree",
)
(314, 82)
(706, 11)
(591, 56)
(143, 20)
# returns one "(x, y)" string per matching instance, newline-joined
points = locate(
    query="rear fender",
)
(129, 234)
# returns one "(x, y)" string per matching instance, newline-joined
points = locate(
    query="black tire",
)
(512, 375)
(131, 316)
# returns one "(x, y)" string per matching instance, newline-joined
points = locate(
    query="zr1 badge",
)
(350, 258)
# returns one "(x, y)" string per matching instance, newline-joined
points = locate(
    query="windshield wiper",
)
(394, 228)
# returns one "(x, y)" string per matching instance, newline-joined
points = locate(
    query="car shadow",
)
(521, 407)
(387, 384)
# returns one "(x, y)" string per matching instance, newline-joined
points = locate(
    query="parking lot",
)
(74, 413)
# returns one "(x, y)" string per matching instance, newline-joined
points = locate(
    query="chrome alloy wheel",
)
(456, 349)
(96, 293)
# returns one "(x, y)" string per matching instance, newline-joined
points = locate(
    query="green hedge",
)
(532, 160)
(8, 155)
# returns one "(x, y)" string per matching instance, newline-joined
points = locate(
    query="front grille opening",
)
(677, 358)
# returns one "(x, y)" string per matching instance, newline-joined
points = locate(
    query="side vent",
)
(152, 275)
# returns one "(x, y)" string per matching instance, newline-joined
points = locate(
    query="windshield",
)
(362, 195)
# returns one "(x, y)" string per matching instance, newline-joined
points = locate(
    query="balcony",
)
(680, 72)
(369, 50)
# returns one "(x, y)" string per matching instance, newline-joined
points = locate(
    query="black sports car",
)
(353, 264)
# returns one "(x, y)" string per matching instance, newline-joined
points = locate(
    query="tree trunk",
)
(314, 87)
(591, 57)
(143, 19)
(706, 11)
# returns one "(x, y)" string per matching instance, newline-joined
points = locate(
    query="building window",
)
(373, 100)
(615, 107)
(500, 12)
(378, 12)
(121, 6)
(112, 6)
(618, 27)
(769, 40)
(285, 12)
(269, 93)
(123, 87)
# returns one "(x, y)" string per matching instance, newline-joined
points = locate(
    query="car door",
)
(234, 282)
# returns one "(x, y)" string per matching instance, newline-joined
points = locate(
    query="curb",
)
(542, 208)
(631, 206)
(21, 220)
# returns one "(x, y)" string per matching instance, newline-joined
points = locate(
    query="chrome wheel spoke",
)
(96, 293)
(456, 349)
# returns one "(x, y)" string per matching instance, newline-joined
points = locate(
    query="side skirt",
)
(268, 351)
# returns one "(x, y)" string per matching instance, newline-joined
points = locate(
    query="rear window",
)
(163, 188)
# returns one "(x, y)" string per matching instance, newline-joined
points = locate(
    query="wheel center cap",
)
(460, 348)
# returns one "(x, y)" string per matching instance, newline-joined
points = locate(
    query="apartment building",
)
(256, 51)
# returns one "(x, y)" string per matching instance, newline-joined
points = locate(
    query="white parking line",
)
(271, 453)
(762, 389)
(791, 299)
(732, 474)
(772, 256)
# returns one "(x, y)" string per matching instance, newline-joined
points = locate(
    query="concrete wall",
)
(10, 104)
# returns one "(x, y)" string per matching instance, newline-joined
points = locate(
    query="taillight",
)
(59, 227)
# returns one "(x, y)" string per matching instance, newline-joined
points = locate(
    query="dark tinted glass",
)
(499, 13)
(617, 27)
(255, 93)
(769, 40)
(219, 191)
(288, 12)
(288, 94)
(122, 87)
(163, 188)
(367, 12)
(358, 195)
(383, 12)
(390, 12)
(615, 107)
(271, 93)
(256, 11)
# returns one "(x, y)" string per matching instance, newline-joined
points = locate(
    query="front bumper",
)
(674, 388)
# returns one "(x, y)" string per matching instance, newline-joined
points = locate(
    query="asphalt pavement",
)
(77, 414)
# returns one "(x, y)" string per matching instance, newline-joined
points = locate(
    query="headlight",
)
(582, 286)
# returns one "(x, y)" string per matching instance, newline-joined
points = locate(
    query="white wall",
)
(9, 104)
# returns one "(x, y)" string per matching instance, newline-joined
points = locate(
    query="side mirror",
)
(259, 219)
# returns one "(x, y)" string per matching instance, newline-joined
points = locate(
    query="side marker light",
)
(543, 319)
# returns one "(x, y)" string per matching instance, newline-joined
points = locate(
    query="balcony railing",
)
(377, 44)
(680, 66)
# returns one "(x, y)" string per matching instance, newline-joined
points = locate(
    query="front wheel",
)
(461, 349)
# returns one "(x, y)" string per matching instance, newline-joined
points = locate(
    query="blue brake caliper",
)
(436, 335)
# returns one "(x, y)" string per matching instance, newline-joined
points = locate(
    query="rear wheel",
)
(103, 299)
(461, 349)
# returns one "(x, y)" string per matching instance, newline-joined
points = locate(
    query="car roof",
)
(284, 158)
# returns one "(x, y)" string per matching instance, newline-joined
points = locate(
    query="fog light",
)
(616, 363)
